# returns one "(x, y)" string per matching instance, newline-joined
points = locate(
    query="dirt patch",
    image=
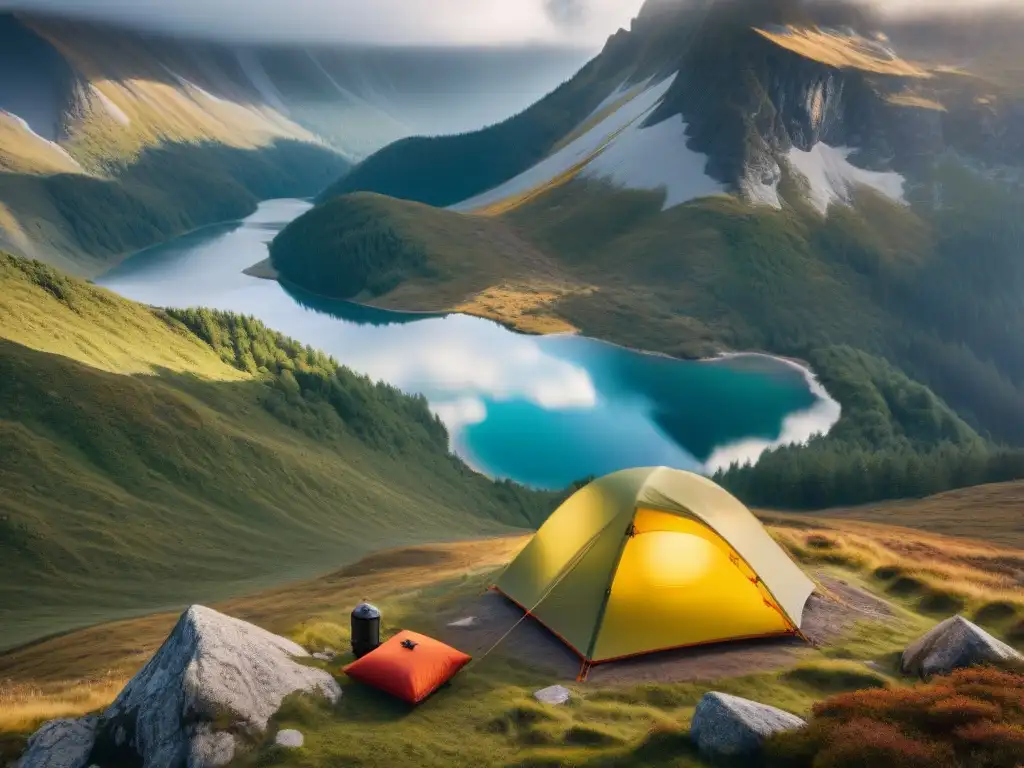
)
(525, 306)
(263, 269)
(498, 620)
(858, 603)
(412, 557)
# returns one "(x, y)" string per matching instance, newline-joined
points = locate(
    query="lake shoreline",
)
(264, 270)
(514, 391)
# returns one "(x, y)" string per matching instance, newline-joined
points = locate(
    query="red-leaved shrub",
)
(864, 743)
(960, 710)
(973, 718)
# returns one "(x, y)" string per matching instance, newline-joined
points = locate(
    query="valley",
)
(519, 407)
(136, 440)
(829, 222)
(113, 140)
(293, 322)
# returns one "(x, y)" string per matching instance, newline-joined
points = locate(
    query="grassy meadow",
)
(151, 459)
(489, 706)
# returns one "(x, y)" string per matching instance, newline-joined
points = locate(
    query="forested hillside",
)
(84, 224)
(152, 457)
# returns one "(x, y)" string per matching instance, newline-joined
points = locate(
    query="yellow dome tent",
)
(646, 560)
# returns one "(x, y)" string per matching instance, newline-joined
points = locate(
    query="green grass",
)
(498, 722)
(487, 716)
(398, 253)
(145, 467)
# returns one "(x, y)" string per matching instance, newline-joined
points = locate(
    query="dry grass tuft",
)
(842, 51)
(914, 100)
(25, 706)
(525, 307)
(935, 574)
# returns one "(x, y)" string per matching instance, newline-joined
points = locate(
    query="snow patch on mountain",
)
(624, 91)
(574, 155)
(831, 176)
(760, 193)
(656, 157)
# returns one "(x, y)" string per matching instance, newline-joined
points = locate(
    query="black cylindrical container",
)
(365, 629)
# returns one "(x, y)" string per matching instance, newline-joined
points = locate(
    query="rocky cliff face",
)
(763, 92)
(763, 79)
(746, 91)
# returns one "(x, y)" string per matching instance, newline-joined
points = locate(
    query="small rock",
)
(209, 748)
(954, 644)
(60, 744)
(323, 656)
(289, 738)
(728, 726)
(553, 695)
(466, 623)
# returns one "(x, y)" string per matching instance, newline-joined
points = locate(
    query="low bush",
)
(996, 611)
(1017, 633)
(973, 717)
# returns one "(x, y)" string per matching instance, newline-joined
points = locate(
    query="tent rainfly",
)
(651, 559)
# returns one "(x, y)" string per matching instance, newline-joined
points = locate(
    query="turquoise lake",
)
(543, 411)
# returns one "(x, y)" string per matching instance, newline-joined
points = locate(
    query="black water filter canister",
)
(365, 629)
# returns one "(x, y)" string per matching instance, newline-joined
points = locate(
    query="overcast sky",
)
(584, 23)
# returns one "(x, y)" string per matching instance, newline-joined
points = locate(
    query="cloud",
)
(567, 13)
(387, 22)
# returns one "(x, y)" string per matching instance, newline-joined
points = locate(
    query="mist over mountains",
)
(113, 139)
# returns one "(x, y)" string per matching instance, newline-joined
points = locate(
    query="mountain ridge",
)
(747, 184)
(184, 132)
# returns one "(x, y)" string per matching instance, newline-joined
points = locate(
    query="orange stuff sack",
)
(409, 666)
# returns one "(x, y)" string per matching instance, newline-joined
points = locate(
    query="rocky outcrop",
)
(727, 726)
(215, 680)
(61, 744)
(954, 644)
